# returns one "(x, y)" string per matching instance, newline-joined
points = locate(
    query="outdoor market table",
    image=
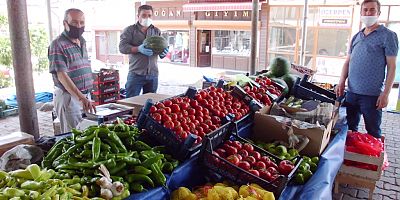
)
(191, 173)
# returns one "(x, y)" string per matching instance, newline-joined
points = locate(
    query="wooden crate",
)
(360, 177)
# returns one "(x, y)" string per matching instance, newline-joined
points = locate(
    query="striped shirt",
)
(368, 60)
(66, 56)
(138, 63)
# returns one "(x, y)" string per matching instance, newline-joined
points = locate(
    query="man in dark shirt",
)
(143, 68)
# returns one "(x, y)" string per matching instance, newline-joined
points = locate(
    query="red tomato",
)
(169, 124)
(166, 118)
(285, 167)
(234, 160)
(157, 117)
(265, 174)
(167, 110)
(153, 109)
(184, 106)
(160, 105)
(229, 149)
(244, 165)
(175, 108)
(198, 97)
(260, 165)
(167, 103)
(183, 135)
(248, 147)
(237, 145)
(251, 160)
(243, 153)
(184, 113)
(203, 94)
(212, 88)
(176, 123)
(184, 126)
(255, 172)
(162, 111)
(221, 152)
(256, 155)
(272, 170)
(191, 111)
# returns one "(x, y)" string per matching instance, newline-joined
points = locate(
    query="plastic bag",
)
(20, 157)
(365, 144)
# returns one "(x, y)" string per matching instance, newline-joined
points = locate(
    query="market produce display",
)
(199, 116)
(118, 148)
(307, 167)
(223, 191)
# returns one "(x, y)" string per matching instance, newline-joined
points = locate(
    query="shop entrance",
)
(204, 48)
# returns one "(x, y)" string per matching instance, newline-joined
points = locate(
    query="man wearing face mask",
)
(72, 74)
(372, 51)
(143, 68)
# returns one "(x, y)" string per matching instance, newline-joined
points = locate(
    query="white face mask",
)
(146, 22)
(369, 20)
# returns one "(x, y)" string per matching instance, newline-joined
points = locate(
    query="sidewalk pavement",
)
(175, 79)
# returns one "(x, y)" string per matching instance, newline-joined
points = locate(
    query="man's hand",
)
(164, 53)
(382, 101)
(143, 50)
(88, 106)
(339, 90)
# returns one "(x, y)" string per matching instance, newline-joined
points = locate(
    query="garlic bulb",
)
(104, 182)
(117, 188)
(106, 193)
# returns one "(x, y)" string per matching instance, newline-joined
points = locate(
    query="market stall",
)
(253, 134)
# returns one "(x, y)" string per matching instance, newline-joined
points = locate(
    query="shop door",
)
(204, 48)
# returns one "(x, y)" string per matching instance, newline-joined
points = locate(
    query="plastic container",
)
(306, 90)
(103, 88)
(105, 98)
(237, 175)
(11, 110)
(105, 75)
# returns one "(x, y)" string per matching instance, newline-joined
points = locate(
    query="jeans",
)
(366, 105)
(135, 83)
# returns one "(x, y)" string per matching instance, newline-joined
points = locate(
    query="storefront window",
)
(232, 42)
(384, 13)
(283, 15)
(282, 39)
(328, 48)
(108, 42)
(178, 42)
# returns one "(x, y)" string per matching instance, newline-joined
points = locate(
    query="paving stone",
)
(349, 191)
(347, 197)
(379, 184)
(377, 197)
(384, 192)
(337, 196)
(362, 194)
(387, 198)
(388, 186)
(388, 179)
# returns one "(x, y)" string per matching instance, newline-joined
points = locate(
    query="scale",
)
(109, 112)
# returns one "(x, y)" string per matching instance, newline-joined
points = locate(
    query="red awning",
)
(193, 7)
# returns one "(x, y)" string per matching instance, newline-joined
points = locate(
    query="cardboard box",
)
(268, 129)
(138, 102)
(10, 140)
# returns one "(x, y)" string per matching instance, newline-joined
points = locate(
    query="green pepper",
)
(140, 146)
(110, 163)
(76, 186)
(13, 192)
(32, 185)
(21, 173)
(105, 147)
(67, 153)
(167, 167)
(141, 170)
(3, 175)
(127, 154)
(34, 195)
(160, 149)
(147, 163)
(96, 148)
(122, 173)
(53, 153)
(158, 175)
(73, 192)
(148, 153)
(88, 172)
(46, 175)
(124, 135)
(87, 138)
(117, 178)
(113, 146)
(139, 177)
(119, 167)
(86, 153)
(119, 128)
(131, 160)
(115, 139)
(137, 187)
(66, 196)
(85, 191)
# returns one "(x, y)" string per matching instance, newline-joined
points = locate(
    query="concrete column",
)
(264, 38)
(192, 41)
(21, 53)
(254, 39)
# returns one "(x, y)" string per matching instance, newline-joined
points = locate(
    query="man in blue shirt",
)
(372, 51)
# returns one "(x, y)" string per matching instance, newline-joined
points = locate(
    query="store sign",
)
(242, 15)
(173, 13)
(335, 16)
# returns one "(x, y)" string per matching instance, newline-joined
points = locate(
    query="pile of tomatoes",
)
(259, 93)
(243, 155)
(200, 115)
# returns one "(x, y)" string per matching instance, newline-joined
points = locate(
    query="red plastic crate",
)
(103, 88)
(106, 75)
(105, 98)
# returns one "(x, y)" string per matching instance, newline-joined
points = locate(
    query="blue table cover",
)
(192, 173)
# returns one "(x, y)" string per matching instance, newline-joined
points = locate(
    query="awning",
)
(193, 7)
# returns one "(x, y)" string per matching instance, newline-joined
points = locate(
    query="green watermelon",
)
(282, 83)
(156, 43)
(280, 66)
(290, 79)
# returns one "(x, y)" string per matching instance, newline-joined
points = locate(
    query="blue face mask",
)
(75, 32)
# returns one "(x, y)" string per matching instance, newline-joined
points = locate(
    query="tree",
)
(39, 44)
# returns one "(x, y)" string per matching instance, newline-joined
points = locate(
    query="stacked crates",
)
(105, 86)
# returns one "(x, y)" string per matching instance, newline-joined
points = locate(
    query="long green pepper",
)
(96, 148)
